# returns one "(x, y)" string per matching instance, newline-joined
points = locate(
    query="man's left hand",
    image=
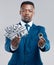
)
(41, 42)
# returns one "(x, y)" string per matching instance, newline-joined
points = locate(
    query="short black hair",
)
(28, 2)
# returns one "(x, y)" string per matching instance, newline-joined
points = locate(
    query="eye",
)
(23, 10)
(30, 11)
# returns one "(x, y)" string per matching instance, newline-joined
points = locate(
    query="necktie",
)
(27, 26)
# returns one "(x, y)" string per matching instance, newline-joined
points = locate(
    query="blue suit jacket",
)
(28, 52)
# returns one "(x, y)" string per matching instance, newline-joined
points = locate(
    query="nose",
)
(27, 12)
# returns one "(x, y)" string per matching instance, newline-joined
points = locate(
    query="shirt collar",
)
(30, 23)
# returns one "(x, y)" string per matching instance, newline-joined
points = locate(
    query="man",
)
(26, 51)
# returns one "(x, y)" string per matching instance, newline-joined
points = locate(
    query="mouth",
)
(26, 17)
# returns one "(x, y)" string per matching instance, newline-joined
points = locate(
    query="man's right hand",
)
(15, 42)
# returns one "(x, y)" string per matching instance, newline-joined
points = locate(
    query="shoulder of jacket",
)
(38, 26)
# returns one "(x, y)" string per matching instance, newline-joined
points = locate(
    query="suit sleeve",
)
(47, 43)
(7, 45)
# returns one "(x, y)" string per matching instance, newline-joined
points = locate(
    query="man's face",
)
(27, 12)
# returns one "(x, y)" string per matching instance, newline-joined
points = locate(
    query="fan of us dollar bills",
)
(15, 30)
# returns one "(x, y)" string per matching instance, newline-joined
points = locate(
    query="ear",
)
(34, 11)
(20, 12)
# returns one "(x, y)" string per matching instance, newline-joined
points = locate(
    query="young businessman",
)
(26, 50)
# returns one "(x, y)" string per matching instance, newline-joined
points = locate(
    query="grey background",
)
(44, 15)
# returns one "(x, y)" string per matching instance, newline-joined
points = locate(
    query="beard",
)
(26, 20)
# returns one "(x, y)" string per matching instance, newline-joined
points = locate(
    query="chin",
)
(26, 21)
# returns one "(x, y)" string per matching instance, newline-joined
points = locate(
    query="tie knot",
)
(27, 26)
